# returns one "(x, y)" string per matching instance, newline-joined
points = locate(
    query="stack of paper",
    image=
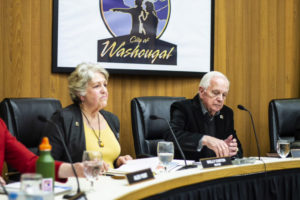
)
(58, 188)
(145, 163)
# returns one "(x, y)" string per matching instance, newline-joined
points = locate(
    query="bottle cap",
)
(44, 146)
(13, 195)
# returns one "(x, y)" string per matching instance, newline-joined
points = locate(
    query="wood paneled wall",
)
(256, 46)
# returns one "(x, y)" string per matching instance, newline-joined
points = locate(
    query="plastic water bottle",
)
(45, 166)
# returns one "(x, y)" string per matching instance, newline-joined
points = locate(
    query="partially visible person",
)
(23, 160)
(134, 12)
(203, 125)
(149, 20)
(85, 124)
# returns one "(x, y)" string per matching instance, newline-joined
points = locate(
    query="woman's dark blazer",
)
(69, 122)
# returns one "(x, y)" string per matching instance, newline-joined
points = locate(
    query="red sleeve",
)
(17, 155)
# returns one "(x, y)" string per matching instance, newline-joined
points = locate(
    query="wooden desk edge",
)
(208, 175)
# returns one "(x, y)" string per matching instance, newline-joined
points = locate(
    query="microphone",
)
(79, 194)
(154, 117)
(257, 144)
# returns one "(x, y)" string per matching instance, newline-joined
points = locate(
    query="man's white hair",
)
(205, 81)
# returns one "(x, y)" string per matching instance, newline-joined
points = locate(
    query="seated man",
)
(19, 157)
(204, 125)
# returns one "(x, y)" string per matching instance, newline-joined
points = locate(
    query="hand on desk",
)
(65, 170)
(104, 167)
(2, 180)
(122, 160)
(232, 145)
(220, 147)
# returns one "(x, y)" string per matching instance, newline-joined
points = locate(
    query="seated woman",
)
(20, 158)
(84, 124)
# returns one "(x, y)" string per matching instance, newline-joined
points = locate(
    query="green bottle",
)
(45, 166)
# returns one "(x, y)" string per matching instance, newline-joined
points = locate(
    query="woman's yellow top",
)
(111, 149)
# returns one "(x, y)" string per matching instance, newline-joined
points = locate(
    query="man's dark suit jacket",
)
(187, 121)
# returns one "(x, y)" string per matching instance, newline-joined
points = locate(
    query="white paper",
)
(58, 188)
(152, 163)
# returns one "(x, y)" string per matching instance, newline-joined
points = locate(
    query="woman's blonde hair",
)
(81, 76)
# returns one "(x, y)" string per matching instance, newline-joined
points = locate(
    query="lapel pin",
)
(76, 123)
(221, 117)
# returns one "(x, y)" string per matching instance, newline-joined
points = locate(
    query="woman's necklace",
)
(100, 143)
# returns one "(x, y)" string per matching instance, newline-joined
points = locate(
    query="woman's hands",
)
(104, 167)
(122, 160)
(65, 170)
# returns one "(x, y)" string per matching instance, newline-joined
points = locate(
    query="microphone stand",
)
(79, 194)
(252, 121)
(186, 166)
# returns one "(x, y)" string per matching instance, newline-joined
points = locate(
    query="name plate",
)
(216, 162)
(295, 153)
(138, 176)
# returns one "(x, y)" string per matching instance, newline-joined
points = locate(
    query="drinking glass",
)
(31, 183)
(165, 152)
(92, 162)
(283, 148)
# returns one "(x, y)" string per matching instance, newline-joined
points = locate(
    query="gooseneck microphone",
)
(257, 144)
(154, 117)
(79, 194)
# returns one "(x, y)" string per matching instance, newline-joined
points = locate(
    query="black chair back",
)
(146, 132)
(20, 116)
(284, 120)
